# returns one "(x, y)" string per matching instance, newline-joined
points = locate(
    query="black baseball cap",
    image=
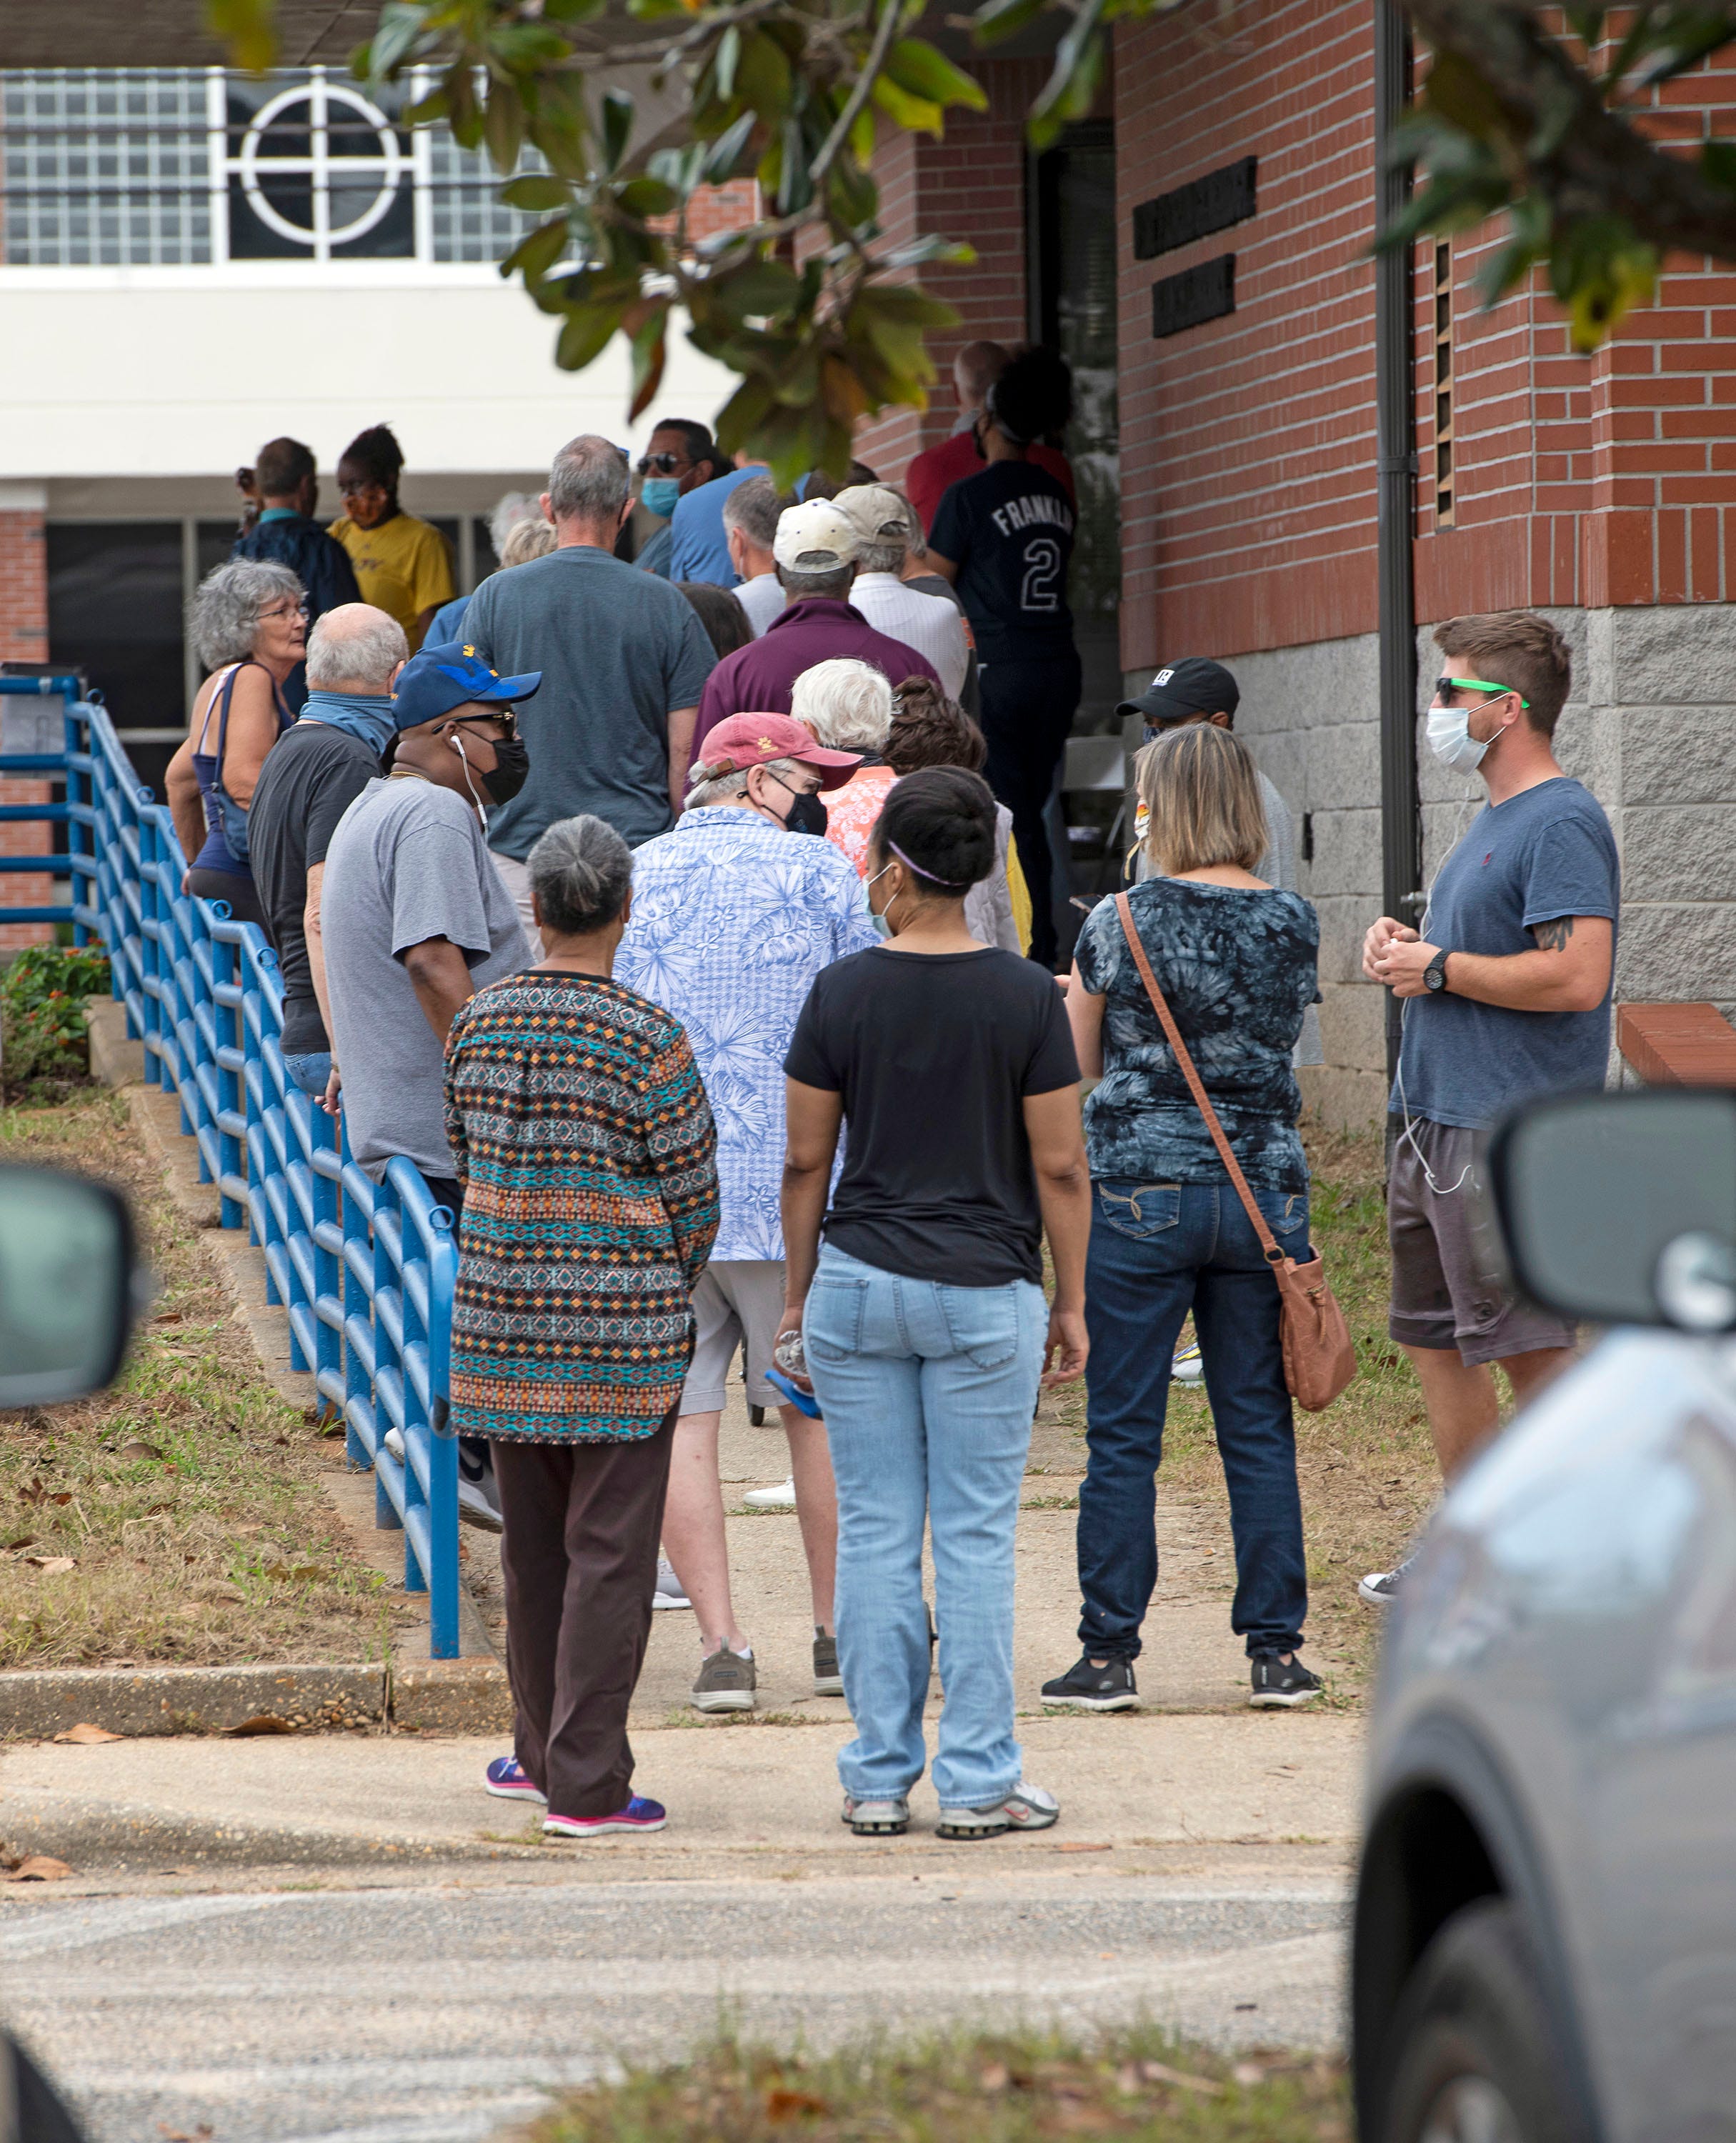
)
(1194, 686)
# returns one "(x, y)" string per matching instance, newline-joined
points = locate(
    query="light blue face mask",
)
(658, 494)
(367, 716)
(882, 928)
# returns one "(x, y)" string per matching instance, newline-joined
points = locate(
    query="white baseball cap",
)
(814, 537)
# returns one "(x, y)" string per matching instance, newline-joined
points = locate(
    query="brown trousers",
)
(581, 1524)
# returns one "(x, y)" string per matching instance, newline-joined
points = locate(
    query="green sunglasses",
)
(1474, 685)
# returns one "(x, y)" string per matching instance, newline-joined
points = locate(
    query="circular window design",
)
(316, 175)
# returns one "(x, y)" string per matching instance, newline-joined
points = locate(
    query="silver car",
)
(1544, 1947)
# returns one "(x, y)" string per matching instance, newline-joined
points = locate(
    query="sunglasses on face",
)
(661, 464)
(1445, 687)
(504, 720)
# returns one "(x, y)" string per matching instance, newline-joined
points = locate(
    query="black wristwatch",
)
(1435, 974)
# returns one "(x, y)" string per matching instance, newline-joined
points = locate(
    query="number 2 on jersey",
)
(1039, 589)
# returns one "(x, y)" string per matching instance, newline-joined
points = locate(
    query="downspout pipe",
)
(1401, 842)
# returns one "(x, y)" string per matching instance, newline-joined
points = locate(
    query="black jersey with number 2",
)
(1009, 530)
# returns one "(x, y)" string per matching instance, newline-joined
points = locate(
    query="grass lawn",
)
(176, 1519)
(1366, 1465)
(1137, 2084)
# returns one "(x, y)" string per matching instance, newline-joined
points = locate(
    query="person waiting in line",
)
(974, 369)
(847, 706)
(402, 565)
(568, 1092)
(717, 609)
(815, 549)
(932, 624)
(286, 480)
(414, 917)
(310, 778)
(623, 658)
(1236, 959)
(248, 625)
(1004, 537)
(699, 550)
(526, 535)
(731, 922)
(919, 573)
(922, 1318)
(680, 456)
(929, 729)
(750, 529)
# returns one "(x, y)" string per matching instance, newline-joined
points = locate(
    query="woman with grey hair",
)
(847, 706)
(248, 622)
(582, 1134)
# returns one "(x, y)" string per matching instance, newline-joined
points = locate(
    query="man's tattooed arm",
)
(1552, 937)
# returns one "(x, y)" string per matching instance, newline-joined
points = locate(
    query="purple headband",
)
(928, 875)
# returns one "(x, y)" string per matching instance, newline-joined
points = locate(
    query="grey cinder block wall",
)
(1650, 728)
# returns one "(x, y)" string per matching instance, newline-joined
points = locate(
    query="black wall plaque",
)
(1204, 205)
(1205, 293)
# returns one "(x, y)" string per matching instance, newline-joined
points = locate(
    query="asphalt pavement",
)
(439, 2010)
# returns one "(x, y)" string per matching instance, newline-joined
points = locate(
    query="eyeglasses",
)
(1446, 686)
(285, 610)
(505, 719)
(662, 464)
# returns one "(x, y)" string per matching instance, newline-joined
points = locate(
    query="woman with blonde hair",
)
(1235, 957)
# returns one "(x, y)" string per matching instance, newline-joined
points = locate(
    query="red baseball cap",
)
(740, 741)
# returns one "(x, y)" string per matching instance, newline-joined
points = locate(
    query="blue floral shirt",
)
(732, 920)
(1238, 968)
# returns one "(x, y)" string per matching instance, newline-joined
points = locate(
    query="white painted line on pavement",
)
(72, 1926)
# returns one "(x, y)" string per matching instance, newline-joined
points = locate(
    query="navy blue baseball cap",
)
(436, 680)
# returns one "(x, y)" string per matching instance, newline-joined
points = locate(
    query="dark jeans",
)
(578, 1566)
(1027, 711)
(1157, 1250)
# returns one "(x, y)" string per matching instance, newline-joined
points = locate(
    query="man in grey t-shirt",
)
(414, 914)
(623, 658)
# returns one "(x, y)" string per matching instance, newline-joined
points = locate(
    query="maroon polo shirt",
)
(757, 679)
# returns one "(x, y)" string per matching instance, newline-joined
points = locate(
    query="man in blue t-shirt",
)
(1507, 985)
(698, 548)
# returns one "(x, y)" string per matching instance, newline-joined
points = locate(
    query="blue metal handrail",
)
(364, 1270)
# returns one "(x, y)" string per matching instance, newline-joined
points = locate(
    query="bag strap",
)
(1269, 1242)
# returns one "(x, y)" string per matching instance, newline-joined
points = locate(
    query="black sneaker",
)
(1278, 1682)
(1380, 1587)
(1089, 1688)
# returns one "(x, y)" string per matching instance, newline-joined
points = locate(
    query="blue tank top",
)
(208, 766)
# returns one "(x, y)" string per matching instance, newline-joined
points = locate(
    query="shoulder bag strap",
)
(1257, 1220)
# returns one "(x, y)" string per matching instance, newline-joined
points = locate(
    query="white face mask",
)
(1450, 739)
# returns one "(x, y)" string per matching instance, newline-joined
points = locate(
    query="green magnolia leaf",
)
(648, 197)
(649, 350)
(1718, 161)
(728, 59)
(536, 191)
(503, 125)
(1459, 95)
(954, 252)
(1001, 19)
(572, 10)
(763, 75)
(586, 334)
(401, 25)
(726, 151)
(759, 290)
(917, 115)
(919, 67)
(538, 250)
(523, 46)
(247, 31)
(617, 126)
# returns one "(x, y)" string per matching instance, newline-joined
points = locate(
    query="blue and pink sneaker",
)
(638, 1815)
(509, 1781)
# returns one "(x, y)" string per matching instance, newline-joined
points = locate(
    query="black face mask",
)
(510, 770)
(806, 816)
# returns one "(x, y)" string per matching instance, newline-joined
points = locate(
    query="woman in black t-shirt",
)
(923, 1318)
(1004, 537)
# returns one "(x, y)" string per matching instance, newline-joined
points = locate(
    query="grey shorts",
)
(738, 1303)
(1449, 1284)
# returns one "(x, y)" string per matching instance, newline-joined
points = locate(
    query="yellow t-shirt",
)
(401, 567)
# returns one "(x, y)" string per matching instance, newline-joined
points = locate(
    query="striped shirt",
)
(582, 1133)
(930, 624)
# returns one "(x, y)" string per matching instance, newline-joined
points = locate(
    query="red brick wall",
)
(23, 638)
(969, 186)
(1247, 443)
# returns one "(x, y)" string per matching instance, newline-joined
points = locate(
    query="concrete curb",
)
(120, 1837)
(451, 1696)
(37, 1704)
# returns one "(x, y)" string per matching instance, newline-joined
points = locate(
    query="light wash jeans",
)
(928, 1392)
(310, 1072)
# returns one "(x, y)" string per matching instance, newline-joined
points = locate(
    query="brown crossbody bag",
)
(1319, 1360)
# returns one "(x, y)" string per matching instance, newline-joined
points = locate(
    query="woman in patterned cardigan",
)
(583, 1135)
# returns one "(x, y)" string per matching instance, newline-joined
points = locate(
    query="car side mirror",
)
(68, 1285)
(1620, 1208)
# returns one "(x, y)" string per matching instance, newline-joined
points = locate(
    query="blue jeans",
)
(1158, 1249)
(928, 1392)
(310, 1072)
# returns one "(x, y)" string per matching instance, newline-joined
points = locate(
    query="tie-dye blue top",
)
(1238, 967)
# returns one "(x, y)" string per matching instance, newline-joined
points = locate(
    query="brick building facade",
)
(1601, 489)
(23, 638)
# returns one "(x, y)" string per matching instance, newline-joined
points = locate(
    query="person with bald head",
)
(309, 780)
(974, 369)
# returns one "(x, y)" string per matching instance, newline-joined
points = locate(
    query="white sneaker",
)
(395, 1442)
(671, 1592)
(783, 1497)
(1187, 1368)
